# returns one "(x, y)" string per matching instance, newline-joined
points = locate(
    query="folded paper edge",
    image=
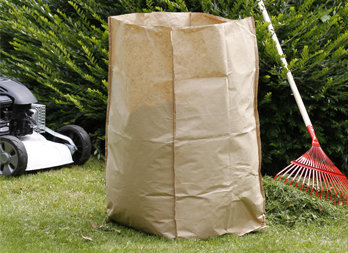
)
(109, 91)
(256, 114)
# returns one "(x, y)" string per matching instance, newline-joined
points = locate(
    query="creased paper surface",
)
(183, 142)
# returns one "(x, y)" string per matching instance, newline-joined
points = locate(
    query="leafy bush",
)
(314, 41)
(63, 60)
(60, 49)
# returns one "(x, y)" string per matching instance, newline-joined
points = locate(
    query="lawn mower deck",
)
(25, 141)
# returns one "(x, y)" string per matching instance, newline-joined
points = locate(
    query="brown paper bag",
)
(183, 140)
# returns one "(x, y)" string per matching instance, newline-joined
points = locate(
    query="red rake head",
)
(318, 173)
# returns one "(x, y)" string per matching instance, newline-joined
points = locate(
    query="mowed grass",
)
(64, 210)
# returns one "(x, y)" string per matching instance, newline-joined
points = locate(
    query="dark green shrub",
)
(60, 49)
(315, 42)
(62, 58)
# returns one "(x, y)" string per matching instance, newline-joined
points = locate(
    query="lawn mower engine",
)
(25, 141)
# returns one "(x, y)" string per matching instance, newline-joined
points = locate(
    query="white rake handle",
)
(290, 78)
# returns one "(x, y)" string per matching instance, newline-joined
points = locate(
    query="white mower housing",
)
(26, 143)
(43, 154)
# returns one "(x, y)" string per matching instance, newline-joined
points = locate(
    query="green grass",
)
(63, 210)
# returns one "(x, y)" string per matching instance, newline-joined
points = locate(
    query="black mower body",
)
(16, 102)
(19, 93)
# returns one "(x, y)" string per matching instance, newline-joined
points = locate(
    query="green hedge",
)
(60, 50)
(61, 56)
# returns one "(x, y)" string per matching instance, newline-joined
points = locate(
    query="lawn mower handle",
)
(290, 78)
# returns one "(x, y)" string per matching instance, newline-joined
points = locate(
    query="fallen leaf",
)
(87, 238)
(94, 225)
(104, 227)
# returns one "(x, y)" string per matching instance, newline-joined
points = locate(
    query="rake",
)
(313, 170)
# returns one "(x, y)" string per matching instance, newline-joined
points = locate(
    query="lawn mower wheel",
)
(13, 156)
(81, 139)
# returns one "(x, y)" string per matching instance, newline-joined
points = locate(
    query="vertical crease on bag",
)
(174, 136)
(229, 121)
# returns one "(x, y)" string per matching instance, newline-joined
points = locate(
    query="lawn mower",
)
(26, 143)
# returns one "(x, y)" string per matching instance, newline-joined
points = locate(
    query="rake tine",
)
(294, 169)
(309, 180)
(300, 168)
(346, 188)
(330, 185)
(317, 181)
(344, 194)
(337, 192)
(281, 172)
(313, 181)
(341, 189)
(304, 179)
(344, 184)
(333, 186)
(326, 186)
(321, 185)
(290, 171)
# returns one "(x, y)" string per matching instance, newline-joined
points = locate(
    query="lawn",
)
(63, 210)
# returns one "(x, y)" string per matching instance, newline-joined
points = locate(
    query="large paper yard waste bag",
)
(183, 140)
